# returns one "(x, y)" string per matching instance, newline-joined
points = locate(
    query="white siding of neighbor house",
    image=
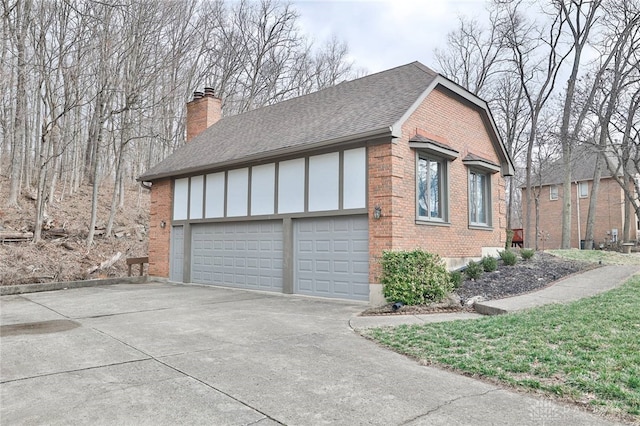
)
(196, 200)
(286, 185)
(263, 189)
(324, 180)
(180, 199)
(214, 206)
(291, 186)
(355, 179)
(237, 192)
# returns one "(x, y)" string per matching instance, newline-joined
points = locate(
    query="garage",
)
(238, 254)
(332, 257)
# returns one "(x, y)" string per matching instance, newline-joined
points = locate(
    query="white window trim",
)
(551, 197)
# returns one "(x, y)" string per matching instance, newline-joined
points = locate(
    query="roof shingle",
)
(357, 108)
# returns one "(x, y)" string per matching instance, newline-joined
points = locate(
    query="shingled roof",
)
(363, 109)
(583, 166)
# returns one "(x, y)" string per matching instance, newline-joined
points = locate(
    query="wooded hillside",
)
(94, 93)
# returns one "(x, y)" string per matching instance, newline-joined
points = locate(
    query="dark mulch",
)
(506, 281)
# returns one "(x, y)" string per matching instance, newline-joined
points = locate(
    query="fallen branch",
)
(105, 264)
(15, 236)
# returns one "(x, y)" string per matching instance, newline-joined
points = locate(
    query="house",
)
(304, 195)
(610, 205)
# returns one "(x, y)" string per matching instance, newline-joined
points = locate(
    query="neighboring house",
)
(304, 195)
(609, 220)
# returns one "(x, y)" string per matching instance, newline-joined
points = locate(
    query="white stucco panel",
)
(214, 204)
(237, 192)
(291, 186)
(263, 186)
(324, 177)
(180, 199)
(355, 179)
(197, 197)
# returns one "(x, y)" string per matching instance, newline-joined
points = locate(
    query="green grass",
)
(587, 351)
(595, 256)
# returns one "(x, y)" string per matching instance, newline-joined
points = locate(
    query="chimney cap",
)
(197, 95)
(208, 91)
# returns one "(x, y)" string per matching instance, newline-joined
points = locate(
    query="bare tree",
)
(474, 53)
(581, 17)
(537, 58)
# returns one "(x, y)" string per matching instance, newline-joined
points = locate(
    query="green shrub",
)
(527, 253)
(414, 277)
(474, 270)
(489, 263)
(456, 279)
(508, 257)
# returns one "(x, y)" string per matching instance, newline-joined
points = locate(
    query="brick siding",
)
(392, 185)
(159, 238)
(609, 215)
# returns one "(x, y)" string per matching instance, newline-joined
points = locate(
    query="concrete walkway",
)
(572, 288)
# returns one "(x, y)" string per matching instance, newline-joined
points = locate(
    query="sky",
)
(383, 34)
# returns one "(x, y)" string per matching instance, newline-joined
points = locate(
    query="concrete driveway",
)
(166, 354)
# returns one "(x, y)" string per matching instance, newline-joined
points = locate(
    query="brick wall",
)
(159, 243)
(609, 215)
(392, 185)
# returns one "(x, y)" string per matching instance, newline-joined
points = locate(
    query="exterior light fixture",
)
(377, 212)
(163, 224)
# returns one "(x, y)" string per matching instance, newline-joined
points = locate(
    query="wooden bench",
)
(137, 261)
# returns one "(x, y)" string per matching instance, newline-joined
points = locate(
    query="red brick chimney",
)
(203, 111)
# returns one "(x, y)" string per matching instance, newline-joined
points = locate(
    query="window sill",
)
(481, 227)
(432, 222)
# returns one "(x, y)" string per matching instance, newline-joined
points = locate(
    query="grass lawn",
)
(595, 256)
(587, 352)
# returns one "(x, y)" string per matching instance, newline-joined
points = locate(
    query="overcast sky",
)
(383, 34)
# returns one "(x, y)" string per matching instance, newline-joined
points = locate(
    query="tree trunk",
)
(19, 132)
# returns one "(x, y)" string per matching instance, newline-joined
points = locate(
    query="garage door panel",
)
(238, 254)
(332, 257)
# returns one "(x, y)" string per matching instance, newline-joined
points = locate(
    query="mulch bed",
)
(506, 281)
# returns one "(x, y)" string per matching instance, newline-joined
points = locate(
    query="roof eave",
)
(387, 131)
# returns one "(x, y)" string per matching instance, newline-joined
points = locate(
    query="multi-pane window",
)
(479, 198)
(431, 182)
(583, 189)
(553, 192)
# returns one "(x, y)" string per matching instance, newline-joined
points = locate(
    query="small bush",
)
(508, 257)
(474, 270)
(456, 279)
(414, 277)
(527, 253)
(489, 263)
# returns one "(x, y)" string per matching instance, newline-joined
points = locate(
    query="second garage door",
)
(238, 254)
(332, 257)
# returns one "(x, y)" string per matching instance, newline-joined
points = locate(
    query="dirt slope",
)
(64, 255)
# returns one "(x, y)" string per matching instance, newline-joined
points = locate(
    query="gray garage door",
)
(332, 257)
(238, 254)
(177, 254)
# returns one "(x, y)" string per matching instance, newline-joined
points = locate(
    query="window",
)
(479, 202)
(583, 189)
(553, 192)
(431, 189)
